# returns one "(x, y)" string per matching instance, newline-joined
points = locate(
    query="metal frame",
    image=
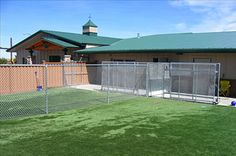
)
(135, 79)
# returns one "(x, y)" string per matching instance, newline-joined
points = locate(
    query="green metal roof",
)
(186, 42)
(89, 24)
(83, 39)
(59, 42)
(73, 38)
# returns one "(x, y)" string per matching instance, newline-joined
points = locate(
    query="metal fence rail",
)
(27, 90)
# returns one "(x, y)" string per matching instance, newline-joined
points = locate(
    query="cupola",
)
(90, 28)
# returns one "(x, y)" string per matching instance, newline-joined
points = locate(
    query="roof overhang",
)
(25, 42)
(38, 37)
(43, 45)
(63, 39)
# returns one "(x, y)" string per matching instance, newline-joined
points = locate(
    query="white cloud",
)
(218, 15)
(191, 2)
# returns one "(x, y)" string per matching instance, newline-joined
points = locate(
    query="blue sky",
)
(115, 18)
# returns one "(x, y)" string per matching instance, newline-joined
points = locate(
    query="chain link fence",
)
(27, 90)
(22, 90)
(197, 82)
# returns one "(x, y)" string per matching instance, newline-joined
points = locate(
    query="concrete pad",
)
(88, 87)
(226, 101)
(223, 101)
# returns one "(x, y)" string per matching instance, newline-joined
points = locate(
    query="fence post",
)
(124, 76)
(179, 70)
(117, 77)
(135, 87)
(147, 80)
(63, 75)
(163, 79)
(108, 82)
(46, 88)
(214, 73)
(193, 81)
(218, 82)
(170, 74)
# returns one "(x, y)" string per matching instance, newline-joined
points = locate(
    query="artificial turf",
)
(140, 126)
(59, 99)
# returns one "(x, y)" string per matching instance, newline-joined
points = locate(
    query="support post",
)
(193, 81)
(163, 79)
(170, 74)
(108, 82)
(11, 59)
(135, 84)
(46, 88)
(147, 80)
(63, 75)
(218, 83)
(179, 70)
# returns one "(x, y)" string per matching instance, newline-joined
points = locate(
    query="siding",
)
(227, 60)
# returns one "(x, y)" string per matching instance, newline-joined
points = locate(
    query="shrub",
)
(3, 61)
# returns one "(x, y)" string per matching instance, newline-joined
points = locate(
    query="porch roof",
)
(59, 42)
(65, 37)
(82, 39)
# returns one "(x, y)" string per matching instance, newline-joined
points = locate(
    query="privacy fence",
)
(41, 89)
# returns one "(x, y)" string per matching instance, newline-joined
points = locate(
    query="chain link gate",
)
(123, 77)
(197, 82)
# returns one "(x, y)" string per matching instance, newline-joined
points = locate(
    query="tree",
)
(3, 61)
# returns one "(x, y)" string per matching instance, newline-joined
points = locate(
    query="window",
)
(54, 58)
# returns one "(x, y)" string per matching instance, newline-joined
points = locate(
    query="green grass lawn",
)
(140, 126)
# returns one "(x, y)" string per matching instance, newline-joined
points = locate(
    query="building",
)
(212, 47)
(55, 46)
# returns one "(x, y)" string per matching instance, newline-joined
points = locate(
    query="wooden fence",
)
(15, 79)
